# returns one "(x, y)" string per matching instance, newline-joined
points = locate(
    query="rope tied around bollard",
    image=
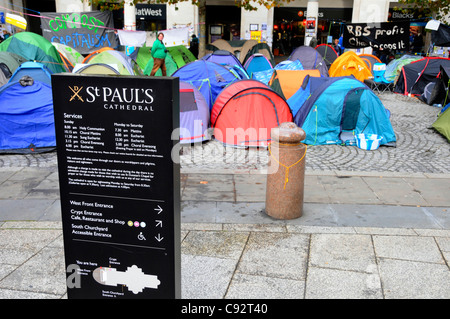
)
(286, 179)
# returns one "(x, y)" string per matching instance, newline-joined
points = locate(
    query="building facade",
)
(284, 27)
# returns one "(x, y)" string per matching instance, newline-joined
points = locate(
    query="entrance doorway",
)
(223, 22)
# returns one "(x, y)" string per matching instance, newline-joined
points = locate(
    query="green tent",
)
(70, 53)
(181, 55)
(125, 65)
(171, 66)
(34, 47)
(143, 56)
(12, 60)
(442, 124)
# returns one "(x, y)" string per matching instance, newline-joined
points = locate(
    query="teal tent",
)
(333, 110)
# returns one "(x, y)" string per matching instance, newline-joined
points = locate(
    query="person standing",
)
(159, 53)
(193, 47)
(337, 46)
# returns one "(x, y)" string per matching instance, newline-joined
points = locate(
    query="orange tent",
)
(91, 55)
(287, 82)
(350, 63)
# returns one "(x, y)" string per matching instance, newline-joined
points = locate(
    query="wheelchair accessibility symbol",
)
(141, 236)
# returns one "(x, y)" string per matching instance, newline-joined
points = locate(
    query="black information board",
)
(120, 188)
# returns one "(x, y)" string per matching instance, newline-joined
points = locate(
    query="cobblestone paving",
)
(419, 148)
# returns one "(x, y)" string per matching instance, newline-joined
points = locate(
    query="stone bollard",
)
(286, 172)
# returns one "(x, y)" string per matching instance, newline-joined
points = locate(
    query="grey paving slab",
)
(432, 190)
(314, 190)
(352, 252)
(5, 174)
(53, 212)
(383, 216)
(411, 248)
(395, 191)
(204, 277)
(215, 244)
(402, 279)
(11, 189)
(351, 190)
(243, 286)
(327, 283)
(44, 273)
(25, 209)
(16, 294)
(275, 255)
(439, 216)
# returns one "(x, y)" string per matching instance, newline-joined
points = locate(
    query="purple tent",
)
(194, 115)
(310, 58)
(223, 57)
(228, 60)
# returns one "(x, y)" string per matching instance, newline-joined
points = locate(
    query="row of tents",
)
(241, 102)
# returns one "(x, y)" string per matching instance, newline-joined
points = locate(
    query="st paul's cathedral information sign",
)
(120, 193)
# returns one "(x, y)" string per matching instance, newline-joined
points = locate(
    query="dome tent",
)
(416, 75)
(125, 64)
(245, 112)
(194, 115)
(256, 63)
(26, 117)
(208, 77)
(350, 63)
(310, 59)
(34, 47)
(328, 53)
(331, 110)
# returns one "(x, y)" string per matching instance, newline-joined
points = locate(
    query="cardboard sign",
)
(120, 189)
(385, 35)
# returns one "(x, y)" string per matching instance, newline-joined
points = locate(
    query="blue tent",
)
(257, 63)
(227, 59)
(331, 110)
(208, 77)
(26, 118)
(38, 71)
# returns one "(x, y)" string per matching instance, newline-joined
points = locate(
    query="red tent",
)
(245, 112)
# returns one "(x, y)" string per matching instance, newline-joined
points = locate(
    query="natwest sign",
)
(151, 11)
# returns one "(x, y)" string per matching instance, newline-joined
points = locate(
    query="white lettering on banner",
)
(387, 35)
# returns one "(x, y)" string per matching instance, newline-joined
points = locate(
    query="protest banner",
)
(384, 35)
(84, 31)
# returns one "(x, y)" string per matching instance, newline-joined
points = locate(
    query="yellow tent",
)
(350, 63)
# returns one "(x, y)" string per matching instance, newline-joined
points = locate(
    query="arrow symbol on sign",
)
(159, 238)
(159, 209)
(158, 223)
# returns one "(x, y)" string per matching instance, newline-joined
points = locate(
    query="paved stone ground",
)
(419, 148)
